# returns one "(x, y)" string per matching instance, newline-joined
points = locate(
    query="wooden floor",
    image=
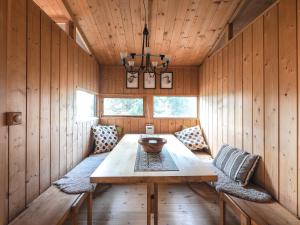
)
(178, 205)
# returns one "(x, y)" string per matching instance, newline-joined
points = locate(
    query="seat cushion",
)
(106, 138)
(236, 164)
(250, 192)
(78, 179)
(192, 138)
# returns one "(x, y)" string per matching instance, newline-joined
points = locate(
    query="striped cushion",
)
(236, 164)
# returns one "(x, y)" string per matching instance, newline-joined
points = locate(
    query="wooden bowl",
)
(152, 145)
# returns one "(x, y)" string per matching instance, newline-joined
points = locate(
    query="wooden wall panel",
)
(210, 101)
(16, 102)
(298, 63)
(220, 99)
(70, 103)
(247, 89)
(75, 152)
(271, 101)
(258, 97)
(33, 101)
(263, 90)
(214, 99)
(3, 127)
(238, 106)
(45, 109)
(224, 98)
(63, 82)
(39, 73)
(112, 83)
(231, 93)
(288, 104)
(54, 105)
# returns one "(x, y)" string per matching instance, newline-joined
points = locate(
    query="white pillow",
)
(192, 138)
(106, 138)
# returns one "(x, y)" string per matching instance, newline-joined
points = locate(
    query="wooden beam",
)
(71, 30)
(237, 10)
(226, 28)
(64, 9)
(68, 8)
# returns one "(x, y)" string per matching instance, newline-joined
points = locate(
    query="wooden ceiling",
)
(183, 29)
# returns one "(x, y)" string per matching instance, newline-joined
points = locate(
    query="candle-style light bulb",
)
(167, 59)
(147, 50)
(123, 55)
(154, 64)
(131, 63)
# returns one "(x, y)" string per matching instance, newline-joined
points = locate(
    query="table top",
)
(118, 167)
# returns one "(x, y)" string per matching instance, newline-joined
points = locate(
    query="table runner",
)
(154, 161)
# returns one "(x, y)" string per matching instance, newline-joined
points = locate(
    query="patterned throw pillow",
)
(106, 138)
(192, 138)
(236, 164)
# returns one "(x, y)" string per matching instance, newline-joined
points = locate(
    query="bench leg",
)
(222, 206)
(75, 217)
(90, 209)
(244, 219)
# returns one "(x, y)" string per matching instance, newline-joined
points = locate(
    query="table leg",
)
(155, 204)
(149, 203)
(152, 203)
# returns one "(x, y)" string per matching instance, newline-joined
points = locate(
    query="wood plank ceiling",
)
(184, 29)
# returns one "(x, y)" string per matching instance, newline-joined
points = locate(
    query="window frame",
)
(123, 116)
(176, 117)
(95, 106)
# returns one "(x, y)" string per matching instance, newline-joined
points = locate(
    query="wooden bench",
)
(253, 213)
(53, 207)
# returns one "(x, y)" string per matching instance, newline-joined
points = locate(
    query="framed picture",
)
(166, 80)
(132, 80)
(149, 80)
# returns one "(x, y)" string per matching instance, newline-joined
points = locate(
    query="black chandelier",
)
(149, 63)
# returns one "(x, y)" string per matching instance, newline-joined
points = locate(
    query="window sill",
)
(120, 116)
(87, 119)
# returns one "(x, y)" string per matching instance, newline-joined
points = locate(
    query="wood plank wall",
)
(40, 69)
(3, 128)
(112, 84)
(258, 99)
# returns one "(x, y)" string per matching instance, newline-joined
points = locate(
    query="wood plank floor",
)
(178, 205)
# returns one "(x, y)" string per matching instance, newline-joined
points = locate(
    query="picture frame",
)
(166, 80)
(149, 81)
(132, 80)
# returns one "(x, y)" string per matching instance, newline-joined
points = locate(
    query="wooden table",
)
(118, 168)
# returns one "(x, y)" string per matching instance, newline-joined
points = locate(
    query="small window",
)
(80, 41)
(123, 107)
(85, 105)
(175, 107)
(63, 26)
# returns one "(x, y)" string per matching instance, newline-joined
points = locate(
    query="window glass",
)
(175, 107)
(123, 107)
(81, 42)
(85, 105)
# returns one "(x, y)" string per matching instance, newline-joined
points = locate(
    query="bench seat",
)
(250, 212)
(51, 208)
(254, 213)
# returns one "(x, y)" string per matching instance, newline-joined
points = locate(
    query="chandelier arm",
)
(146, 65)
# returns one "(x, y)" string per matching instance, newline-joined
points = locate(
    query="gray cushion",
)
(236, 164)
(250, 192)
(78, 179)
